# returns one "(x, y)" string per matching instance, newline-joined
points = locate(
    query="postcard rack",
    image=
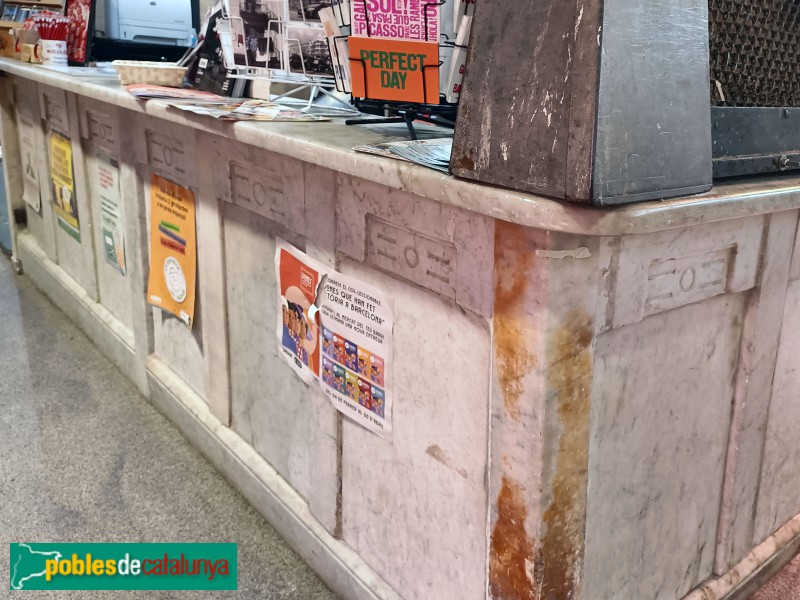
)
(284, 59)
(267, 41)
(443, 115)
(439, 113)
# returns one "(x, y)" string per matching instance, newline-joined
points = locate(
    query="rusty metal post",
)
(593, 101)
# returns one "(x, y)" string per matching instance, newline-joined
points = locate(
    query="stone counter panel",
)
(60, 113)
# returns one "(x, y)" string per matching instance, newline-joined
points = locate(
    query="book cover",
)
(394, 70)
(308, 52)
(307, 11)
(397, 19)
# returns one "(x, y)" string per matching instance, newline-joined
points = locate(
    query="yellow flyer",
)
(173, 248)
(61, 175)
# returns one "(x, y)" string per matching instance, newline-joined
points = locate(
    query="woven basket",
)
(150, 73)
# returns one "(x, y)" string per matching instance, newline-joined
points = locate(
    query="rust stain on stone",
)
(564, 521)
(511, 555)
(466, 162)
(514, 260)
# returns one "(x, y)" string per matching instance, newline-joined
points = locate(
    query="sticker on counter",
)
(173, 249)
(30, 165)
(63, 180)
(336, 332)
(104, 173)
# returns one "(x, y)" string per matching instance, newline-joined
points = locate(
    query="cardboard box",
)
(26, 46)
(8, 42)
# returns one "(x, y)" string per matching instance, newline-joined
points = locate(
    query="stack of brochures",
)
(231, 109)
(434, 153)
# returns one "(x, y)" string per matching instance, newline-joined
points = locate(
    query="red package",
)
(78, 13)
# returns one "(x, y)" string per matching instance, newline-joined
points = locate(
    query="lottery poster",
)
(336, 332)
(173, 249)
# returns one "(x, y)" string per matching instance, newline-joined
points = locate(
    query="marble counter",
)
(589, 404)
(329, 145)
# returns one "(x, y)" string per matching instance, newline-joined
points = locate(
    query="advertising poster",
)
(30, 165)
(399, 19)
(356, 324)
(63, 180)
(298, 335)
(336, 332)
(173, 249)
(394, 70)
(105, 182)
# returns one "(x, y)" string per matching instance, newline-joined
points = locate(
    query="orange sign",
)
(173, 249)
(399, 70)
(297, 330)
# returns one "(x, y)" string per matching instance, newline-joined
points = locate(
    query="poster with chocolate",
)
(298, 331)
(351, 322)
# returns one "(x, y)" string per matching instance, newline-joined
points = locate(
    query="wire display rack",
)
(439, 113)
(266, 44)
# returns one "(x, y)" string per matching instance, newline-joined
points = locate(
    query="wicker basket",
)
(150, 73)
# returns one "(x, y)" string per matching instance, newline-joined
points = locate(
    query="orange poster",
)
(173, 249)
(336, 332)
(400, 70)
(298, 278)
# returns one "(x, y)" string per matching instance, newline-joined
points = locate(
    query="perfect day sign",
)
(395, 70)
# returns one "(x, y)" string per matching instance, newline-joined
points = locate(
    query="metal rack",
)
(293, 72)
(278, 42)
(441, 113)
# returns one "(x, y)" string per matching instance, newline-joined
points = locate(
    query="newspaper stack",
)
(434, 153)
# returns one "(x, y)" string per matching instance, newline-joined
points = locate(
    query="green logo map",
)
(84, 566)
(28, 564)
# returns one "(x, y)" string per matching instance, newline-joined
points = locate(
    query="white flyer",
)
(30, 164)
(104, 173)
(336, 332)
(357, 350)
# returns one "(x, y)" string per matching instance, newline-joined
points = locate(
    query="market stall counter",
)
(432, 388)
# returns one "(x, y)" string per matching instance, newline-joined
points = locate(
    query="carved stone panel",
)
(446, 250)
(654, 273)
